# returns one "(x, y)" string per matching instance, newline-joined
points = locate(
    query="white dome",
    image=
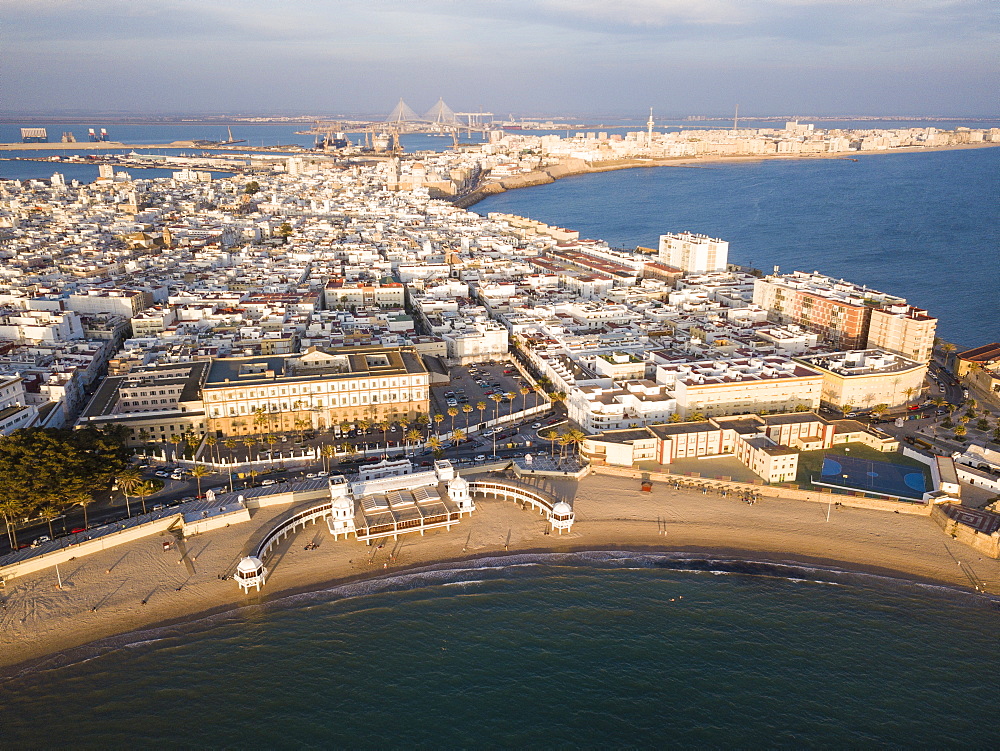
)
(249, 565)
(562, 508)
(459, 483)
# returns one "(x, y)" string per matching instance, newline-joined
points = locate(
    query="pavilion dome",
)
(562, 508)
(249, 566)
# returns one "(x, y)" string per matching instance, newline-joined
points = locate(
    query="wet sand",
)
(103, 595)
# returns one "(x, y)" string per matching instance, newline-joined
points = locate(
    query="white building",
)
(694, 253)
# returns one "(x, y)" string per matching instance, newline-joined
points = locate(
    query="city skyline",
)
(929, 57)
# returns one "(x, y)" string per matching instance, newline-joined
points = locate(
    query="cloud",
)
(359, 53)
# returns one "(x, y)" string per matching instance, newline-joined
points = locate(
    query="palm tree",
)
(384, 427)
(351, 450)
(496, 398)
(551, 435)
(192, 442)
(230, 444)
(563, 443)
(253, 476)
(248, 441)
(83, 502)
(697, 417)
(845, 408)
(49, 512)
(270, 440)
(481, 406)
(421, 419)
(524, 392)
(558, 397)
(143, 490)
(327, 451)
(260, 417)
(675, 417)
(434, 443)
(197, 472)
(452, 413)
(175, 440)
(412, 436)
(880, 409)
(574, 438)
(363, 425)
(438, 419)
(11, 510)
(544, 382)
(211, 441)
(345, 426)
(128, 480)
(457, 436)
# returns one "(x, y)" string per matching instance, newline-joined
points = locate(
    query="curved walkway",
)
(290, 525)
(515, 493)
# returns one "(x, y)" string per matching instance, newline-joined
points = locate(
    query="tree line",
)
(45, 471)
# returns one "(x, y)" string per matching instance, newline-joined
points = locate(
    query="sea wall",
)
(988, 545)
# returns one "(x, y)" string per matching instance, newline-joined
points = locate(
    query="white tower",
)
(250, 572)
(562, 517)
(458, 491)
(649, 128)
(341, 519)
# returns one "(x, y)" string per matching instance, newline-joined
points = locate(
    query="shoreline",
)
(726, 560)
(574, 167)
(100, 603)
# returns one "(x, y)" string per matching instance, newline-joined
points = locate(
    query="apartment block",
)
(693, 253)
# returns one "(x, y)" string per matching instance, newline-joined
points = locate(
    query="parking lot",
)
(474, 384)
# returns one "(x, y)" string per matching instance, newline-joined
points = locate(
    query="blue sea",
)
(572, 650)
(923, 226)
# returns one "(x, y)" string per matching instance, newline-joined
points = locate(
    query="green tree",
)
(49, 512)
(434, 443)
(412, 436)
(481, 406)
(551, 435)
(284, 231)
(327, 451)
(252, 188)
(197, 472)
(438, 419)
(467, 410)
(453, 413)
(128, 480)
(146, 489)
(60, 467)
(175, 441)
(11, 510)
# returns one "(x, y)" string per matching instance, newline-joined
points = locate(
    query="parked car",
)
(40, 540)
(481, 458)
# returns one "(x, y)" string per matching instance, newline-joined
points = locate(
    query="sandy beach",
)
(140, 585)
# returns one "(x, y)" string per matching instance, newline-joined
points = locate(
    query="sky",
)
(527, 57)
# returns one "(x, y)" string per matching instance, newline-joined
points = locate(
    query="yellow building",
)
(317, 389)
(864, 378)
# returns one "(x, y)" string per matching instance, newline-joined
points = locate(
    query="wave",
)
(495, 568)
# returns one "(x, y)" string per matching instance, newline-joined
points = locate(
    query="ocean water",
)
(923, 226)
(589, 649)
